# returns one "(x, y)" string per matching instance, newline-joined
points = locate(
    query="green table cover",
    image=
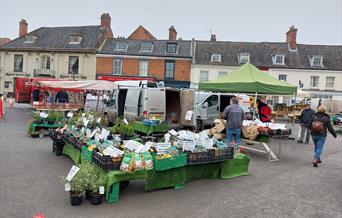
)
(148, 130)
(73, 153)
(34, 125)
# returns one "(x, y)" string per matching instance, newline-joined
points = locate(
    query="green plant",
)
(51, 116)
(79, 182)
(36, 118)
(29, 127)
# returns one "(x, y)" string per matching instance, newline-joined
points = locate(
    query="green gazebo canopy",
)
(249, 79)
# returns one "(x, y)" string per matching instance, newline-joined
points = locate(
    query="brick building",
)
(142, 55)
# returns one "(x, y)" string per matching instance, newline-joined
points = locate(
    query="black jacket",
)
(325, 119)
(306, 116)
(62, 97)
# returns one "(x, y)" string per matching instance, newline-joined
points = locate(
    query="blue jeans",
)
(319, 143)
(233, 134)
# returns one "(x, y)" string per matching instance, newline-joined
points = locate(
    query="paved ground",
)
(30, 183)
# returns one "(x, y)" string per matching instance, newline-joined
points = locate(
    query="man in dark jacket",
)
(305, 119)
(320, 134)
(62, 97)
(234, 115)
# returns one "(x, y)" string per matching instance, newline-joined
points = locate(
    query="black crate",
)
(279, 132)
(198, 158)
(78, 144)
(222, 154)
(106, 162)
(57, 147)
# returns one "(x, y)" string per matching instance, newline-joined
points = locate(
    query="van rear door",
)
(187, 101)
(131, 104)
(155, 103)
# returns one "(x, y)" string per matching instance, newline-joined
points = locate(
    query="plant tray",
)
(199, 157)
(86, 154)
(106, 162)
(169, 163)
(222, 154)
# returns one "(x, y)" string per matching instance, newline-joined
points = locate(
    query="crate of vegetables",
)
(224, 154)
(198, 157)
(106, 162)
(167, 161)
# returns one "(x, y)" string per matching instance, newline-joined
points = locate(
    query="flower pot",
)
(59, 150)
(95, 198)
(87, 195)
(75, 198)
(51, 122)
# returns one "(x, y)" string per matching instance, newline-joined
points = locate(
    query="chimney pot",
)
(213, 38)
(291, 37)
(172, 33)
(106, 24)
(22, 28)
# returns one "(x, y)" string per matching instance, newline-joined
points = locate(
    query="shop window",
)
(117, 66)
(73, 64)
(204, 75)
(329, 83)
(18, 63)
(143, 68)
(7, 84)
(314, 81)
(45, 62)
(169, 69)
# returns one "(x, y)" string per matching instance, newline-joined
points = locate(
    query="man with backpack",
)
(264, 111)
(305, 119)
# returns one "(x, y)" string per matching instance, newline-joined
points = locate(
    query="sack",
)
(128, 163)
(250, 132)
(317, 126)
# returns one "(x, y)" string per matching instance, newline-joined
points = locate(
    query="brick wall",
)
(182, 70)
(104, 65)
(130, 67)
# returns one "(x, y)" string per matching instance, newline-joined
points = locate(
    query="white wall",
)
(59, 63)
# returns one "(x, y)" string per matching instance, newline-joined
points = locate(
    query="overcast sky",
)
(318, 21)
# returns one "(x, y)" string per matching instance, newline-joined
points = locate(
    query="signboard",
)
(17, 74)
(70, 76)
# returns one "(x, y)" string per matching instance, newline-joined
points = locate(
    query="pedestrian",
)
(234, 115)
(305, 119)
(264, 111)
(319, 125)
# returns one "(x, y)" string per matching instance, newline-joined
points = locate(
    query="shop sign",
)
(17, 74)
(70, 76)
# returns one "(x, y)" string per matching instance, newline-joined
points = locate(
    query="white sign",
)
(88, 132)
(43, 115)
(125, 121)
(188, 115)
(132, 145)
(70, 114)
(188, 145)
(73, 171)
(98, 137)
(98, 120)
(113, 151)
(142, 148)
(83, 114)
(67, 187)
(101, 190)
(104, 133)
(173, 132)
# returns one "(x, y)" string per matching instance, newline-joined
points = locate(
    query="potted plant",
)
(78, 186)
(51, 117)
(37, 119)
(98, 179)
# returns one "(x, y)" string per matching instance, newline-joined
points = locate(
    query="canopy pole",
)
(255, 99)
(294, 111)
(98, 99)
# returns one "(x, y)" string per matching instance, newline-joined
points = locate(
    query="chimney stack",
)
(291, 38)
(106, 25)
(213, 38)
(22, 28)
(172, 33)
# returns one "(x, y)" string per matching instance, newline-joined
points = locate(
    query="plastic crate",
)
(222, 154)
(77, 144)
(198, 157)
(106, 162)
(169, 163)
(278, 132)
(86, 154)
(114, 193)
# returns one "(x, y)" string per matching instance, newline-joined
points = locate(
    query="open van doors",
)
(153, 103)
(187, 103)
(132, 103)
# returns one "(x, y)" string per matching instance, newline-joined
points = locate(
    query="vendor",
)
(35, 94)
(234, 115)
(264, 111)
(62, 97)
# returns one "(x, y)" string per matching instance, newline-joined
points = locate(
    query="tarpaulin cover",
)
(83, 85)
(249, 79)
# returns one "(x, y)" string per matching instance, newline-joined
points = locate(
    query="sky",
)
(318, 21)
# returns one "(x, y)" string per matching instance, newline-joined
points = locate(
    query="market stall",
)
(249, 79)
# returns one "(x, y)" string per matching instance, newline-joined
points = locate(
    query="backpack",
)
(317, 126)
(265, 114)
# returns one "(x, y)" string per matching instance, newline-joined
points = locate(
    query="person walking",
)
(319, 125)
(234, 115)
(305, 119)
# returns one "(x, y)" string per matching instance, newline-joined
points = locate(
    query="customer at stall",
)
(36, 94)
(319, 125)
(305, 119)
(62, 97)
(264, 111)
(234, 115)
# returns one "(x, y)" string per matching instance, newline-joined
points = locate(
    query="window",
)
(45, 62)
(73, 64)
(171, 47)
(329, 83)
(279, 59)
(316, 61)
(169, 69)
(18, 63)
(7, 84)
(146, 47)
(30, 39)
(121, 46)
(243, 58)
(211, 100)
(117, 66)
(75, 39)
(216, 58)
(143, 68)
(204, 75)
(282, 77)
(222, 73)
(314, 81)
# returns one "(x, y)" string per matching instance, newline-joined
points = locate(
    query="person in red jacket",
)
(264, 111)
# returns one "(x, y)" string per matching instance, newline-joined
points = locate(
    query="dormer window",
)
(243, 58)
(216, 58)
(30, 39)
(75, 39)
(278, 59)
(171, 47)
(316, 61)
(146, 47)
(121, 46)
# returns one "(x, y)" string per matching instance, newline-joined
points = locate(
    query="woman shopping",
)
(319, 125)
